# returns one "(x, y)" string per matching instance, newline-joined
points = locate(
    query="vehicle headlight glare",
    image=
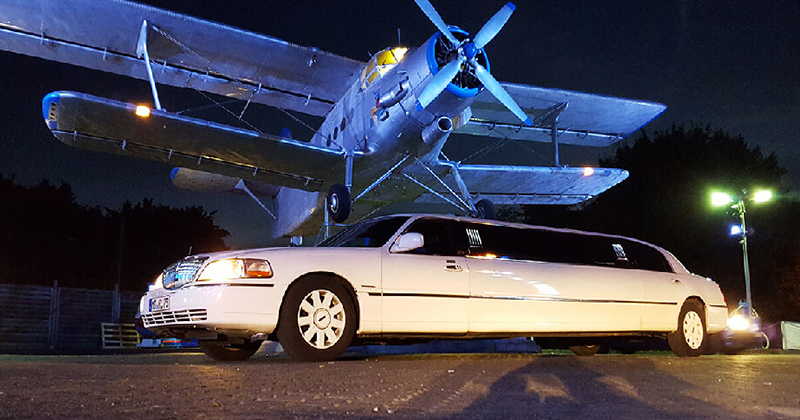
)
(222, 270)
(158, 284)
(738, 323)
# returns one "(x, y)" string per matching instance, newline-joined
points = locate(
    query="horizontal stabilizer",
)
(530, 184)
(93, 123)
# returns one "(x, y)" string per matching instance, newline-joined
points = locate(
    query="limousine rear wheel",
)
(317, 320)
(586, 350)
(690, 338)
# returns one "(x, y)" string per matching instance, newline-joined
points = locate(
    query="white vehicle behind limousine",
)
(421, 277)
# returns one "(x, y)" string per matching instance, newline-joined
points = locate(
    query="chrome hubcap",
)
(321, 319)
(693, 330)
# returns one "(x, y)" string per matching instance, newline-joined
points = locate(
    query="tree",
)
(154, 236)
(45, 236)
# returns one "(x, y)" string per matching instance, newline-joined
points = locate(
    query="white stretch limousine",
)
(418, 277)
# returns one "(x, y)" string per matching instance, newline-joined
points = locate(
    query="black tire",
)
(485, 210)
(587, 350)
(338, 203)
(690, 339)
(328, 331)
(225, 352)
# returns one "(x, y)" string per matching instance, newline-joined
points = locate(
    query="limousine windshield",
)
(368, 234)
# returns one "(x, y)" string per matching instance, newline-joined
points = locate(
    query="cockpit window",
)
(380, 64)
(370, 234)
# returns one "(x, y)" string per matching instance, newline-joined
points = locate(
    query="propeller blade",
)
(493, 86)
(437, 20)
(493, 26)
(439, 83)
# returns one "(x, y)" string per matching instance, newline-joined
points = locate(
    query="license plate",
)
(159, 304)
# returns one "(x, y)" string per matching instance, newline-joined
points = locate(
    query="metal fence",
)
(41, 319)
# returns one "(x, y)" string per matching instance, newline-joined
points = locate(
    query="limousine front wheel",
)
(690, 338)
(226, 352)
(317, 320)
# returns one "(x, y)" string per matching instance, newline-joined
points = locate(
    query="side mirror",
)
(407, 242)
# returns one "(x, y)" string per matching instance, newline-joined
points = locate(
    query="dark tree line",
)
(45, 236)
(666, 201)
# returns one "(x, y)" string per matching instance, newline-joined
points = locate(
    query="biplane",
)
(384, 125)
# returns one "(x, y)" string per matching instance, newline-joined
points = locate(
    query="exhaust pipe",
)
(438, 130)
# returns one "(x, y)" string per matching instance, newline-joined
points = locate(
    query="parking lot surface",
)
(185, 385)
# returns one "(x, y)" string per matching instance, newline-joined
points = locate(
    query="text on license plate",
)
(159, 304)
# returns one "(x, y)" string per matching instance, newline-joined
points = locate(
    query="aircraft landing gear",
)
(338, 203)
(484, 209)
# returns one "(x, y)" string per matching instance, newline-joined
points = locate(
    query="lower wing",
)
(528, 184)
(100, 124)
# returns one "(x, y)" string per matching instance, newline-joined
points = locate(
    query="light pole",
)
(723, 199)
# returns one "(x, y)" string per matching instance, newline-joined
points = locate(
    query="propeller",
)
(466, 60)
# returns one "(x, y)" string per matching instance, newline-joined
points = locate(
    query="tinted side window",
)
(436, 237)
(645, 257)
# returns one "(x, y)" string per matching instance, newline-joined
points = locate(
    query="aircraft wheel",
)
(485, 210)
(338, 203)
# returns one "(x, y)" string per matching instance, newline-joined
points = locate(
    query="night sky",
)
(734, 65)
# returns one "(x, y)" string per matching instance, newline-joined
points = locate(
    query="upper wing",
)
(583, 119)
(529, 184)
(106, 125)
(187, 52)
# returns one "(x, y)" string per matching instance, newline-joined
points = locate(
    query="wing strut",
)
(465, 198)
(141, 51)
(382, 178)
(243, 187)
(551, 118)
(554, 136)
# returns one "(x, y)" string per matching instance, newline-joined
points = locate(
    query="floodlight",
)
(720, 199)
(736, 230)
(762, 196)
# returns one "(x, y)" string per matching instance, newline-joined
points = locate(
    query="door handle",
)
(451, 265)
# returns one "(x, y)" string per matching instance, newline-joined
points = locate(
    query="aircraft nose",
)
(470, 50)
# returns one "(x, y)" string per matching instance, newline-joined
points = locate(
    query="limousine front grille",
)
(186, 316)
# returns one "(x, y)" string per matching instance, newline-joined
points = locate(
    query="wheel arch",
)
(699, 300)
(331, 276)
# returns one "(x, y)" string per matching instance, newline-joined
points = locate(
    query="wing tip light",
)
(142, 111)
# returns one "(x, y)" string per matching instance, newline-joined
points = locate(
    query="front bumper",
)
(236, 310)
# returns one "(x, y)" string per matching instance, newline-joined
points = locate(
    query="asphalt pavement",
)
(185, 385)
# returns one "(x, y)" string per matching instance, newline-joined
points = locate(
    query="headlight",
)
(738, 323)
(222, 270)
(158, 284)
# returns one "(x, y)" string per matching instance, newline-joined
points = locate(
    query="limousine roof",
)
(676, 265)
